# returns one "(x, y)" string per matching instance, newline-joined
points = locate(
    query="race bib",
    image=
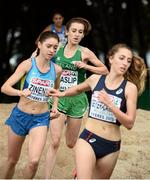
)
(68, 79)
(99, 111)
(38, 88)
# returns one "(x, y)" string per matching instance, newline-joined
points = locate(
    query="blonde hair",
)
(137, 71)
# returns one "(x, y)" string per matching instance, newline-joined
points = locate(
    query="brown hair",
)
(86, 23)
(45, 35)
(137, 71)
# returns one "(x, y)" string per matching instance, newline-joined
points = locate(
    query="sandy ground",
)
(133, 162)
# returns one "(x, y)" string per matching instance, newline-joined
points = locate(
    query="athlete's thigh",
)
(72, 129)
(85, 159)
(37, 140)
(104, 166)
(14, 144)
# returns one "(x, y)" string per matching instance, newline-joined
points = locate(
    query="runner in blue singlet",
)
(31, 116)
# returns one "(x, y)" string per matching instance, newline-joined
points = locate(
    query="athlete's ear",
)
(110, 59)
(39, 44)
(66, 32)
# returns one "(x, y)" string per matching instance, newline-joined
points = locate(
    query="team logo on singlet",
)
(58, 58)
(120, 90)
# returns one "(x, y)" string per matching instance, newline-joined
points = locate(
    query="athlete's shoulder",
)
(93, 80)
(58, 68)
(85, 50)
(131, 85)
(95, 77)
(24, 66)
(131, 88)
(26, 63)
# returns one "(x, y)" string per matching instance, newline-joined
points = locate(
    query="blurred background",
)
(113, 21)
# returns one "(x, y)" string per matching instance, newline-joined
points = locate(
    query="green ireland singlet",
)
(71, 75)
(74, 106)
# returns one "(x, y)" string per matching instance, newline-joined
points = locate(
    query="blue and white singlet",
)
(61, 34)
(38, 83)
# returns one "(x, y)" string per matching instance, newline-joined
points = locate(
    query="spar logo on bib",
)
(38, 88)
(40, 82)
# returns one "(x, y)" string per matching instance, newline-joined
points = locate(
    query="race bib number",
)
(99, 111)
(38, 88)
(68, 79)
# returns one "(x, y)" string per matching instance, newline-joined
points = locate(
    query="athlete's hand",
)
(105, 98)
(25, 92)
(55, 93)
(54, 113)
(80, 64)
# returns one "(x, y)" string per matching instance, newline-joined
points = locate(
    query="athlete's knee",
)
(12, 161)
(33, 164)
(71, 144)
(56, 142)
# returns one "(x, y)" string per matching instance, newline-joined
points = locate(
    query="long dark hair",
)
(45, 35)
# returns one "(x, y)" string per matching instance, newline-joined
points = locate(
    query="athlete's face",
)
(58, 20)
(48, 48)
(75, 33)
(121, 61)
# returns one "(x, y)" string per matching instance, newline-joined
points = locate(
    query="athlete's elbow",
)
(105, 71)
(3, 89)
(130, 125)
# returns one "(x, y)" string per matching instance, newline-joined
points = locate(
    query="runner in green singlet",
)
(73, 106)
(73, 59)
